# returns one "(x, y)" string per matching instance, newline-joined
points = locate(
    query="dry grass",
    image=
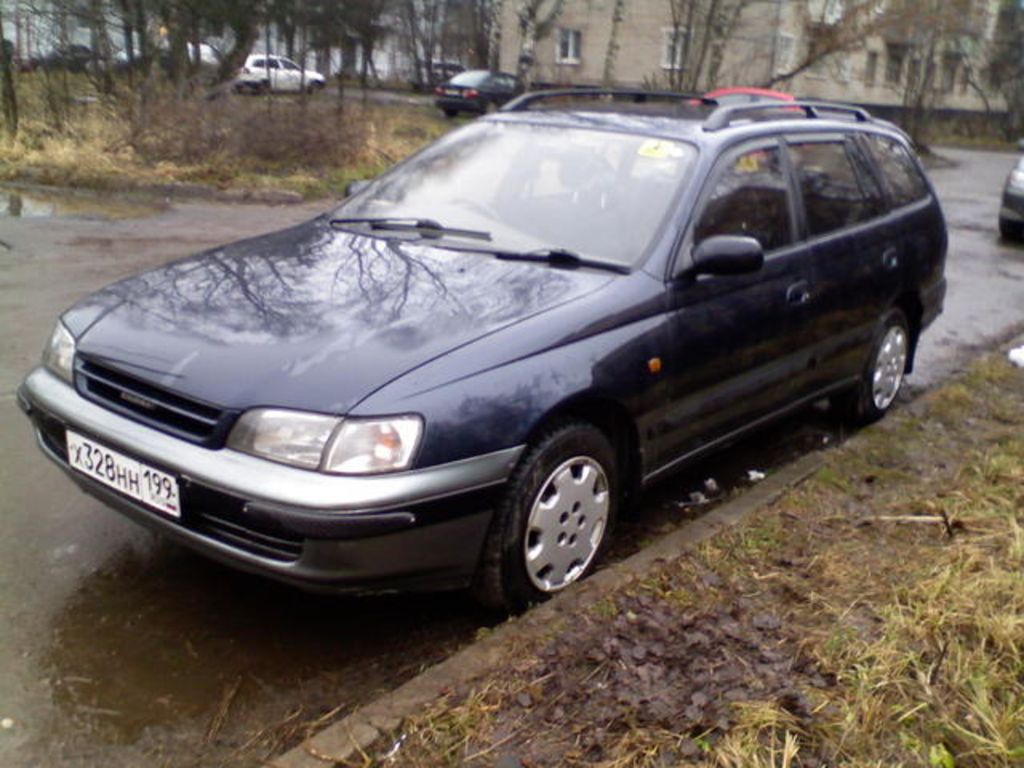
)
(70, 137)
(904, 638)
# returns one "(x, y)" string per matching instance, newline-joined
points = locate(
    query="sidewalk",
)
(872, 615)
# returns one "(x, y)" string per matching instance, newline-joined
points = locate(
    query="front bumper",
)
(421, 529)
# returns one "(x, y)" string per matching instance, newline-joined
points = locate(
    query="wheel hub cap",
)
(889, 365)
(566, 524)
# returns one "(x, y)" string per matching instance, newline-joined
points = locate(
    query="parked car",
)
(477, 90)
(1011, 213)
(747, 95)
(264, 72)
(463, 374)
(73, 58)
(439, 72)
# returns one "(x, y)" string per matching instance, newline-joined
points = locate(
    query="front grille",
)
(154, 406)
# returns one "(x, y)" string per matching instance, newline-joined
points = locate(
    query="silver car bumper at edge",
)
(260, 480)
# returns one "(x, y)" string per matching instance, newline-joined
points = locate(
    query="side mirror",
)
(727, 255)
(355, 187)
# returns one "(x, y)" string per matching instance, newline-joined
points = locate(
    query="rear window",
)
(836, 192)
(474, 78)
(905, 182)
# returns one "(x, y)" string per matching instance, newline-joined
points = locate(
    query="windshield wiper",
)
(423, 227)
(562, 257)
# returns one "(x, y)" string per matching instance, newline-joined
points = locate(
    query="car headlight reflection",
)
(328, 443)
(1016, 181)
(59, 352)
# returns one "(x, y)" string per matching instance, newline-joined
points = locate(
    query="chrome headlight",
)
(1016, 180)
(365, 446)
(290, 437)
(328, 443)
(59, 352)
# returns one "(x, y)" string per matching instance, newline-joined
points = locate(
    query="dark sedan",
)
(477, 91)
(463, 374)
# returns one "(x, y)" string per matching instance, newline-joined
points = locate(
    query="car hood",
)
(310, 317)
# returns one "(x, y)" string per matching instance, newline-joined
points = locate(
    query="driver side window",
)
(751, 198)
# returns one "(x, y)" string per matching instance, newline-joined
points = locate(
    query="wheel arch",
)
(615, 421)
(913, 309)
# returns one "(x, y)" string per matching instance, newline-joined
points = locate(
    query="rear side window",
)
(837, 192)
(749, 198)
(905, 182)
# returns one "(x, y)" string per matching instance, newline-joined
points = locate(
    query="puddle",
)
(35, 204)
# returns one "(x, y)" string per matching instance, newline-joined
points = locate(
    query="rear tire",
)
(553, 523)
(883, 374)
(450, 113)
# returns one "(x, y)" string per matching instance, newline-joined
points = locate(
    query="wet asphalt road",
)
(120, 649)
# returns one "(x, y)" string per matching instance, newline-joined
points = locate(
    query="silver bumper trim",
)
(257, 479)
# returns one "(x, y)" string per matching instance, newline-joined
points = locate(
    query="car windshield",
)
(599, 194)
(476, 77)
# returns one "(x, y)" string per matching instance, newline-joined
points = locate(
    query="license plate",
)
(141, 482)
(452, 92)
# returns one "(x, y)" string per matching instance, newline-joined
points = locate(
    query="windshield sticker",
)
(659, 150)
(752, 162)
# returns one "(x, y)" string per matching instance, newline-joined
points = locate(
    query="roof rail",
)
(812, 110)
(635, 96)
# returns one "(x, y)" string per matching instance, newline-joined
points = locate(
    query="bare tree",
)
(932, 37)
(831, 29)
(1005, 68)
(536, 18)
(8, 94)
(699, 29)
(618, 14)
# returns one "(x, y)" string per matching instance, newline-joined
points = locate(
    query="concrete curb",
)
(352, 735)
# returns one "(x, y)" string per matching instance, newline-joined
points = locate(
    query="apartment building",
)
(873, 52)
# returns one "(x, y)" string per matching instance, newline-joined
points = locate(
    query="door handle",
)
(890, 258)
(798, 293)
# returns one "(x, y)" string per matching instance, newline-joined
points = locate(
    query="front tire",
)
(553, 522)
(1010, 230)
(882, 378)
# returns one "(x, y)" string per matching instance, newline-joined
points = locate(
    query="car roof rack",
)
(630, 95)
(724, 116)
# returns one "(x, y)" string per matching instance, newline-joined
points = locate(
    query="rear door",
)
(736, 350)
(855, 256)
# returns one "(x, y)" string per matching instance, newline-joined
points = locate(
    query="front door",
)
(736, 340)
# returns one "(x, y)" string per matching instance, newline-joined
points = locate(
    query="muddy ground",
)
(872, 616)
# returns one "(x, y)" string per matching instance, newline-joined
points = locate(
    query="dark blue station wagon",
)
(463, 374)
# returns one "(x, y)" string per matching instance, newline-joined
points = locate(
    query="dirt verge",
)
(869, 616)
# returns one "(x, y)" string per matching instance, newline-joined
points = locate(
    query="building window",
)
(568, 46)
(895, 54)
(673, 47)
(871, 68)
(785, 46)
(950, 66)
